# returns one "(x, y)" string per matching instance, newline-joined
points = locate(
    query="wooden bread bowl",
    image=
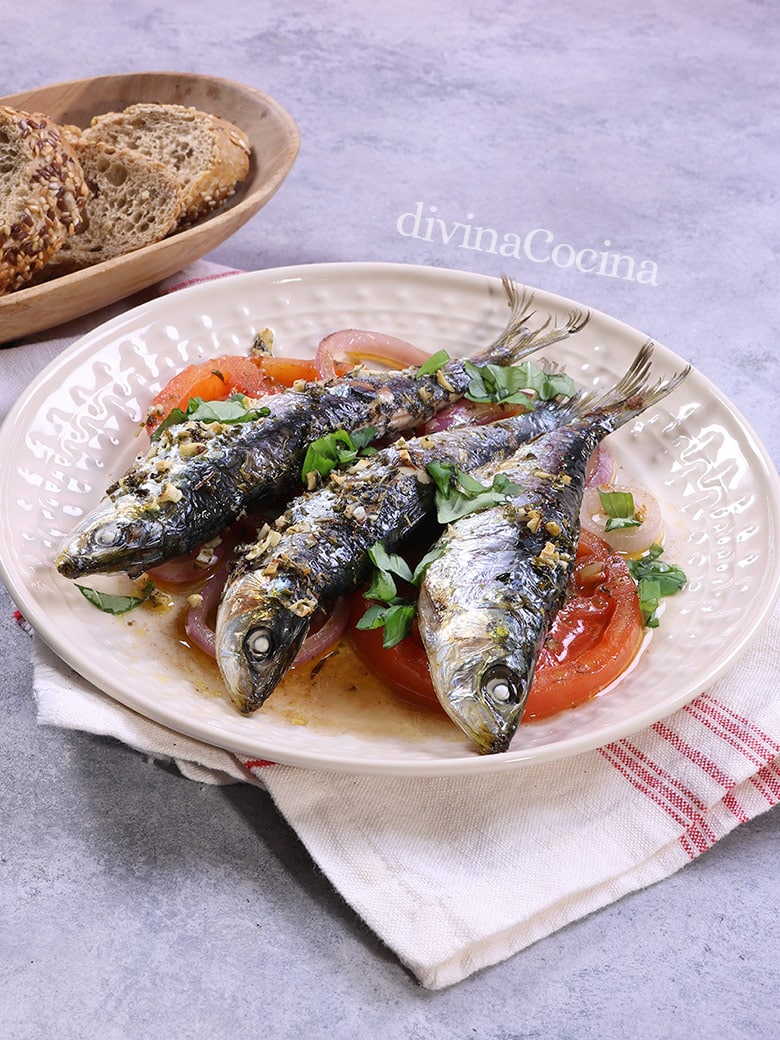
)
(274, 138)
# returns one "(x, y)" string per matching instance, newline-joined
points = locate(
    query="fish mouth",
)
(490, 709)
(102, 542)
(254, 652)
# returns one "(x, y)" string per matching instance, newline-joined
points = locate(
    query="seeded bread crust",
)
(209, 155)
(133, 201)
(42, 194)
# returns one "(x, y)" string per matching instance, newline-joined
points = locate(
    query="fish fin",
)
(518, 341)
(632, 394)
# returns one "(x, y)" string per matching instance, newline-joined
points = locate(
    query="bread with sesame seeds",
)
(209, 155)
(42, 194)
(134, 201)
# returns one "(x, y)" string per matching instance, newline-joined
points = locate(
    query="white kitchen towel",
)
(458, 873)
(455, 874)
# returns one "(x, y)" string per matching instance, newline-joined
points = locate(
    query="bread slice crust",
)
(42, 194)
(209, 155)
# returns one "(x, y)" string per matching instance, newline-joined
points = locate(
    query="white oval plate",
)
(73, 431)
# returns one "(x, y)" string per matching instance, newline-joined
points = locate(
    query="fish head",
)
(480, 674)
(257, 640)
(105, 538)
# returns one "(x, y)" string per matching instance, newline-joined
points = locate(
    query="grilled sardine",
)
(318, 548)
(197, 478)
(487, 601)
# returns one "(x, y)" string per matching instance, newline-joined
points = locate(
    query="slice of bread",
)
(209, 155)
(133, 201)
(42, 194)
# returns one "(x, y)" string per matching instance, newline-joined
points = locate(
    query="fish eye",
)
(259, 644)
(108, 535)
(500, 685)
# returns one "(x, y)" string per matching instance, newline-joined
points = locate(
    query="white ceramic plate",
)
(73, 432)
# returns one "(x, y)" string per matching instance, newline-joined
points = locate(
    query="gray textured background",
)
(134, 903)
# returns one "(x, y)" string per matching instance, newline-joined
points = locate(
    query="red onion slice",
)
(601, 467)
(360, 344)
(199, 623)
(632, 541)
(184, 570)
(331, 630)
(469, 413)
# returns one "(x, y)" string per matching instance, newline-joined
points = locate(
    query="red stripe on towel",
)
(199, 281)
(740, 733)
(669, 793)
(767, 782)
(707, 765)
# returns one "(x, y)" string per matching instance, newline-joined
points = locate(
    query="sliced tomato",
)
(592, 641)
(212, 380)
(218, 378)
(286, 370)
(595, 635)
(403, 667)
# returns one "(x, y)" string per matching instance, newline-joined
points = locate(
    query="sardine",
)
(197, 478)
(486, 603)
(318, 548)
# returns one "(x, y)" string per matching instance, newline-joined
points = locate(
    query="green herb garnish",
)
(337, 449)
(112, 604)
(234, 409)
(510, 384)
(619, 507)
(434, 363)
(459, 494)
(395, 617)
(392, 612)
(654, 579)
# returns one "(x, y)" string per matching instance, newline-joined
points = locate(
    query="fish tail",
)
(517, 340)
(633, 394)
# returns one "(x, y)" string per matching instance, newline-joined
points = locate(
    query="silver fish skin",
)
(486, 603)
(318, 548)
(197, 478)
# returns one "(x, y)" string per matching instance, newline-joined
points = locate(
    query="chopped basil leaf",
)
(392, 612)
(112, 604)
(458, 494)
(618, 504)
(434, 363)
(391, 562)
(338, 448)
(396, 618)
(649, 592)
(655, 579)
(235, 409)
(619, 523)
(382, 587)
(374, 617)
(619, 507)
(509, 384)
(398, 623)
(425, 562)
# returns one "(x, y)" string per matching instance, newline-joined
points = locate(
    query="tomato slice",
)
(594, 638)
(595, 635)
(218, 378)
(286, 370)
(212, 380)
